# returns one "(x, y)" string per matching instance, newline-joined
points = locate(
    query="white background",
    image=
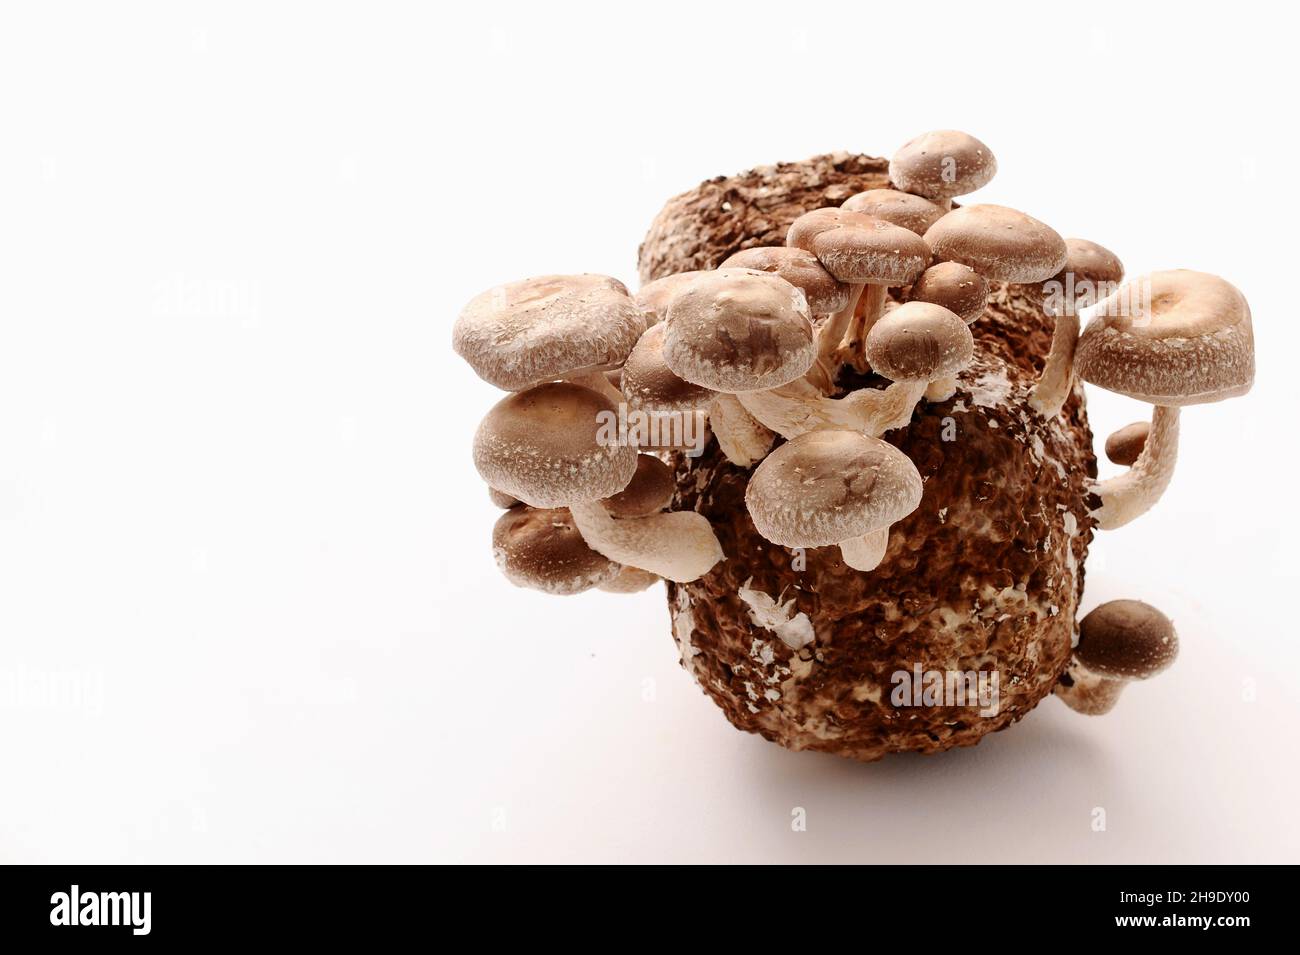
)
(247, 605)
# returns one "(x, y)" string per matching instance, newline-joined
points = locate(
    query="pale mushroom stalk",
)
(1119, 642)
(941, 389)
(798, 408)
(597, 382)
(743, 439)
(1133, 493)
(832, 332)
(866, 552)
(678, 546)
(873, 307)
(1057, 378)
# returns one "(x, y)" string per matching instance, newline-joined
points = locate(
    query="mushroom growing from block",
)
(539, 548)
(834, 487)
(1090, 274)
(826, 294)
(867, 253)
(962, 291)
(1119, 642)
(941, 165)
(1170, 339)
(914, 213)
(669, 403)
(572, 327)
(920, 343)
(549, 447)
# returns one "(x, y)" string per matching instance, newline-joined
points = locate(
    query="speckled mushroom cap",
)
(1089, 273)
(1191, 344)
(541, 549)
(650, 490)
(919, 341)
(859, 248)
(1126, 639)
(999, 243)
(914, 213)
(522, 333)
(799, 267)
(649, 384)
(548, 447)
(956, 287)
(942, 164)
(825, 487)
(739, 330)
(654, 297)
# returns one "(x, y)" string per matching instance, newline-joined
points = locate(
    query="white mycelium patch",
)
(794, 629)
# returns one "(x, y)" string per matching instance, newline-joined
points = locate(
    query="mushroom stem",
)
(854, 348)
(1133, 493)
(1089, 693)
(941, 389)
(596, 381)
(865, 552)
(1055, 382)
(832, 333)
(678, 545)
(743, 438)
(794, 409)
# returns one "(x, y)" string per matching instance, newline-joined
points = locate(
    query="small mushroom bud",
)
(1125, 446)
(1120, 641)
(870, 254)
(834, 487)
(540, 548)
(942, 164)
(649, 491)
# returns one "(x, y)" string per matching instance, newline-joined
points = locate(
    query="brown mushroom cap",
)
(1088, 275)
(942, 164)
(1125, 445)
(919, 342)
(630, 580)
(650, 385)
(825, 487)
(913, 213)
(956, 287)
(522, 333)
(655, 297)
(1192, 342)
(739, 330)
(548, 447)
(541, 549)
(799, 267)
(998, 243)
(860, 249)
(650, 490)
(1126, 639)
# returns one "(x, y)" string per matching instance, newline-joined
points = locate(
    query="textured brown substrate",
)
(984, 576)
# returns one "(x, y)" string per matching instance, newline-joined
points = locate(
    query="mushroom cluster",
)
(843, 410)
